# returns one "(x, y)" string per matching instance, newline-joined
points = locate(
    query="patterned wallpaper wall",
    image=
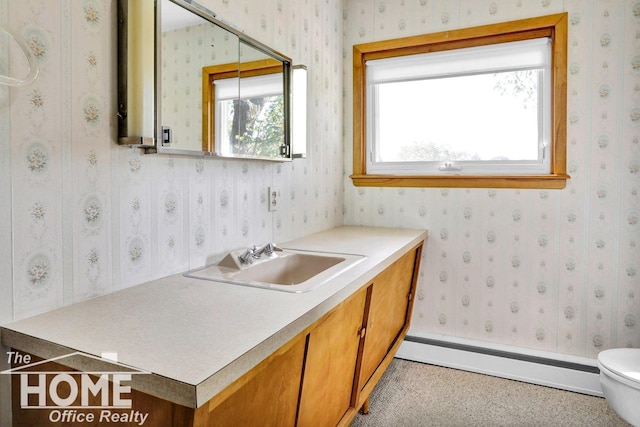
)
(548, 270)
(81, 216)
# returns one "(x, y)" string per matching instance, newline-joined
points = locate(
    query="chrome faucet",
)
(268, 249)
(249, 255)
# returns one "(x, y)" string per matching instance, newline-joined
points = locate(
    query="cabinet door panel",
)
(268, 398)
(327, 384)
(388, 312)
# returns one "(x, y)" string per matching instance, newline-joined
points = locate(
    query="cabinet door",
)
(265, 396)
(388, 312)
(327, 384)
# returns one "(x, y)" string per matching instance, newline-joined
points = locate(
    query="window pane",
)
(463, 118)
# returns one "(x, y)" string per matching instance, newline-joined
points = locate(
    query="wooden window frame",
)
(553, 26)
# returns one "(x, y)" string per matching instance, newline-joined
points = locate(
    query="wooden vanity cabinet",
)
(389, 307)
(322, 377)
(345, 354)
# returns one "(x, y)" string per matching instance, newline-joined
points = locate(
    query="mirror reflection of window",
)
(247, 108)
(252, 123)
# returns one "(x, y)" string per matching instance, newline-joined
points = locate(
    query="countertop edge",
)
(152, 384)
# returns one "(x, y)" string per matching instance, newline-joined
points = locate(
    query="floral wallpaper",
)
(81, 216)
(548, 270)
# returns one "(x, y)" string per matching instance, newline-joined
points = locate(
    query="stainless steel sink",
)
(288, 270)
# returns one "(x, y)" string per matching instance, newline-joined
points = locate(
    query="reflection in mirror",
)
(188, 43)
(246, 110)
(258, 119)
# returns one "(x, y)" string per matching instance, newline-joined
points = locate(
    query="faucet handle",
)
(270, 248)
(255, 252)
(246, 256)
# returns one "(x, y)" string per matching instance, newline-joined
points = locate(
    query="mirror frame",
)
(132, 110)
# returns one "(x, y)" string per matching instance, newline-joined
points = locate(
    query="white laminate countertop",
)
(195, 337)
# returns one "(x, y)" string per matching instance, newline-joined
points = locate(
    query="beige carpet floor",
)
(412, 394)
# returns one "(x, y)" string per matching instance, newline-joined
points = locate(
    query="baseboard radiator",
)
(565, 372)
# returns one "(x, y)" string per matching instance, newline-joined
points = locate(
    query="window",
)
(478, 107)
(415, 105)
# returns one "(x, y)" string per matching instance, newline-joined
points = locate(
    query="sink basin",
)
(288, 270)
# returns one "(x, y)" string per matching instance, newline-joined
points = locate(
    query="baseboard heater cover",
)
(531, 368)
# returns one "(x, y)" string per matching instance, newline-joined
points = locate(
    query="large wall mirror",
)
(210, 90)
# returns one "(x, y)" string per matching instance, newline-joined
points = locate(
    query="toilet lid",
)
(622, 361)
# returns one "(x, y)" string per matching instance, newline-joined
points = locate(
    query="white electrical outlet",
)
(274, 199)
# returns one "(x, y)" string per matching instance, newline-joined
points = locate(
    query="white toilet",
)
(620, 381)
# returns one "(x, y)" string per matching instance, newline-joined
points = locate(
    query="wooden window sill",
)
(554, 182)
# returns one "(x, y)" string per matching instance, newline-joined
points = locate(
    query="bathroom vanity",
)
(205, 353)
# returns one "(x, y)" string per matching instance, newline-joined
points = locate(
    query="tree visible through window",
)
(256, 125)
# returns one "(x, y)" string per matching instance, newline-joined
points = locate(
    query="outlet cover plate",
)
(274, 198)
